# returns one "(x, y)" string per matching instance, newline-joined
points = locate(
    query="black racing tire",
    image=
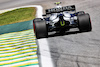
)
(84, 22)
(40, 28)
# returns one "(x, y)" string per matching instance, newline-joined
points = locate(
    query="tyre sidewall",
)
(84, 22)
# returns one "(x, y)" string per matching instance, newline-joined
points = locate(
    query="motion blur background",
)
(73, 49)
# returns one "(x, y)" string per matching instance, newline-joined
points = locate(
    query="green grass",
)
(17, 15)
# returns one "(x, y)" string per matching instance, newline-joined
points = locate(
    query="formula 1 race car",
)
(61, 19)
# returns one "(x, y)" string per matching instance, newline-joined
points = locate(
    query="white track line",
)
(45, 56)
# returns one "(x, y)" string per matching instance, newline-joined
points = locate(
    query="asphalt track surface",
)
(74, 49)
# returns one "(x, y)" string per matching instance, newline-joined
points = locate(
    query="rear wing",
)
(62, 9)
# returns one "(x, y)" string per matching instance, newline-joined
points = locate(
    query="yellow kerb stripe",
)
(16, 45)
(17, 37)
(3, 59)
(16, 53)
(18, 60)
(25, 64)
(15, 50)
(20, 40)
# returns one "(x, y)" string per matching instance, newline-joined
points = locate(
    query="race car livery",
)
(61, 19)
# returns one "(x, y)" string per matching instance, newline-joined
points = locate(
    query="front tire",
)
(84, 22)
(40, 28)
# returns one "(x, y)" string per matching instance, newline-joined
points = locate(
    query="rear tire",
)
(84, 22)
(40, 28)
